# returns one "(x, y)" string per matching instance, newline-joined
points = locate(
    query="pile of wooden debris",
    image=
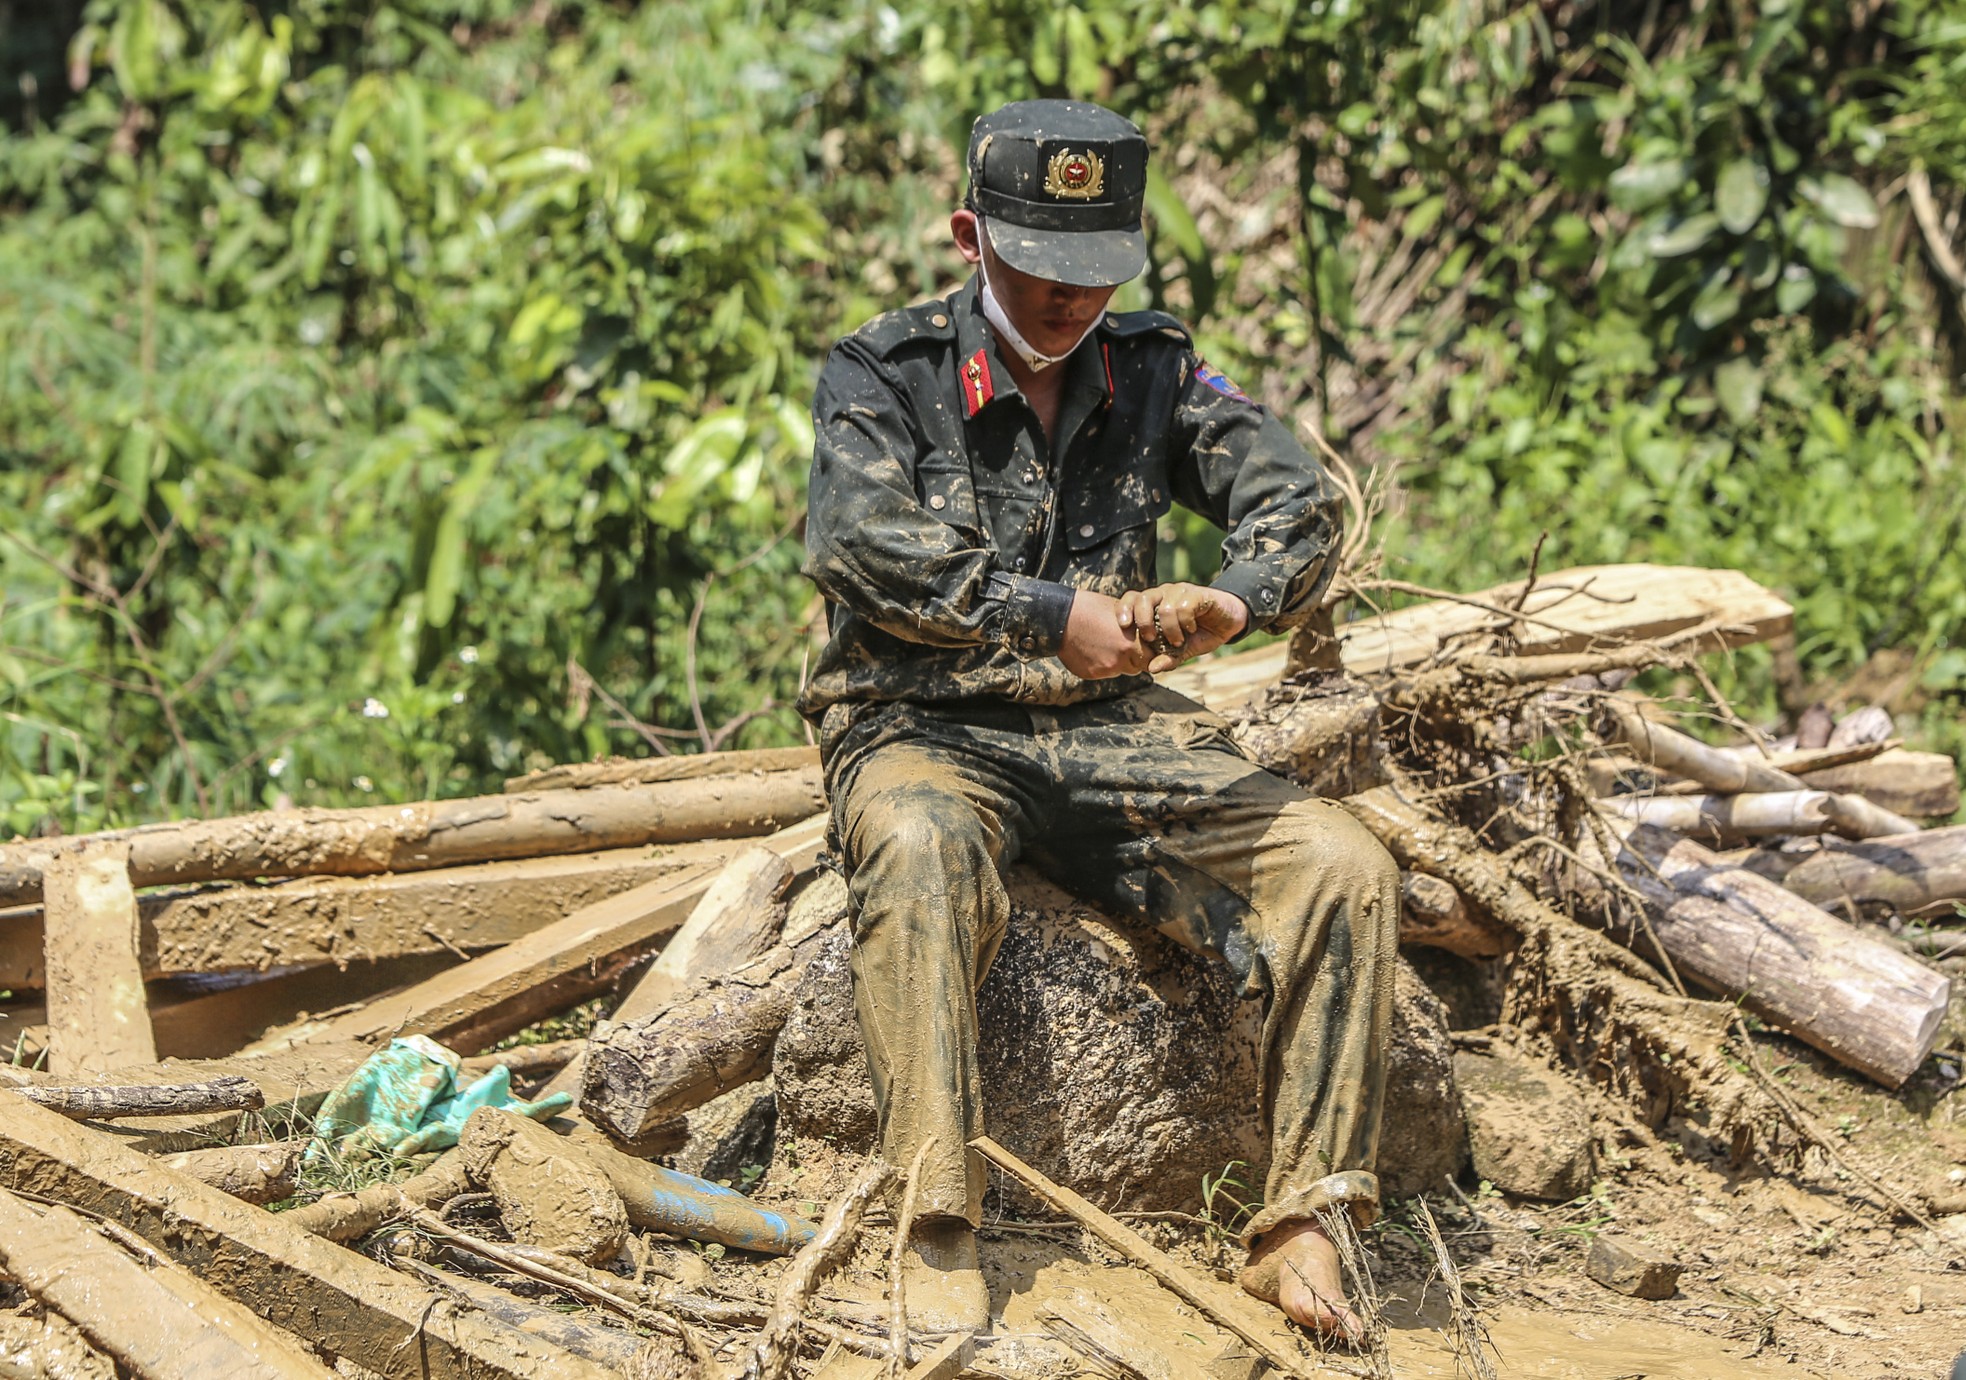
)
(181, 992)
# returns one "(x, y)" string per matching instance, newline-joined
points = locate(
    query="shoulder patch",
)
(891, 330)
(1216, 379)
(1135, 323)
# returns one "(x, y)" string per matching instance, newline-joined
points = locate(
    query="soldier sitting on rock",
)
(989, 473)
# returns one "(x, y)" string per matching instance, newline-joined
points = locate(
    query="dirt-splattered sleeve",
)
(875, 548)
(1239, 466)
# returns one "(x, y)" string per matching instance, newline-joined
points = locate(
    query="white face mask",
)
(994, 313)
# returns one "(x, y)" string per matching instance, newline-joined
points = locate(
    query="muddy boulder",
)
(1113, 1060)
(1530, 1130)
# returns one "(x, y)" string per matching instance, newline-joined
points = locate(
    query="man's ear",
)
(967, 231)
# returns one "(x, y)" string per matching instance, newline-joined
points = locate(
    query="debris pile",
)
(214, 1022)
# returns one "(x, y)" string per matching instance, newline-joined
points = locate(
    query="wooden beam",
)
(342, 1302)
(434, 833)
(157, 1319)
(353, 919)
(475, 1003)
(98, 1015)
(1588, 606)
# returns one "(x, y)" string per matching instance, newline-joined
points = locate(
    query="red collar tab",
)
(978, 386)
(1106, 353)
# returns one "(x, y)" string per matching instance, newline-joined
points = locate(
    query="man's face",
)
(1051, 316)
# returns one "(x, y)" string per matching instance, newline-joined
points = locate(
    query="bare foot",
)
(1295, 1266)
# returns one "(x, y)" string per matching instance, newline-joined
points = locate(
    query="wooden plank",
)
(429, 834)
(98, 1014)
(618, 771)
(339, 919)
(1590, 605)
(157, 1319)
(475, 1003)
(342, 1302)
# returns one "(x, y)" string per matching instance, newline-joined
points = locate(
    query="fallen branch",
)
(225, 1094)
(351, 1216)
(771, 1353)
(1759, 815)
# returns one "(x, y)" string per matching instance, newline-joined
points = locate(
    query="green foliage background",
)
(389, 387)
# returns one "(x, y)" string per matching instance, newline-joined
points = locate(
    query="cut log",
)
(1670, 750)
(338, 919)
(440, 833)
(1920, 784)
(1722, 818)
(716, 1036)
(229, 1093)
(734, 922)
(1866, 1004)
(98, 1015)
(1871, 724)
(475, 1003)
(1906, 873)
(156, 1319)
(342, 1302)
(258, 1174)
(1591, 606)
(622, 771)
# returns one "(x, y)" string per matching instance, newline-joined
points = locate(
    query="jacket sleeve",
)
(873, 547)
(1240, 467)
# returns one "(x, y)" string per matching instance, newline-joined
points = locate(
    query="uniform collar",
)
(980, 369)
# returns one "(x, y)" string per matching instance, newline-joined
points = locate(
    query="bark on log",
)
(98, 1014)
(1436, 916)
(1322, 733)
(229, 1093)
(1722, 818)
(257, 1174)
(1906, 873)
(1866, 1004)
(158, 1320)
(341, 1302)
(643, 771)
(715, 1037)
(333, 919)
(441, 833)
(1598, 996)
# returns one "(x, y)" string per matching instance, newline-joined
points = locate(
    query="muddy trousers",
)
(1143, 805)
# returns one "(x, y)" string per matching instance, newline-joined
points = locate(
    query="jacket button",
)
(938, 321)
(1018, 563)
(937, 502)
(1086, 530)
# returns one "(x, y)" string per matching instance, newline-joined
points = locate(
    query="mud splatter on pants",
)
(1144, 805)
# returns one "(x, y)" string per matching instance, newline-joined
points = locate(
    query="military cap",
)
(1059, 185)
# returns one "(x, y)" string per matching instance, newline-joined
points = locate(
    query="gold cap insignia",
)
(1077, 176)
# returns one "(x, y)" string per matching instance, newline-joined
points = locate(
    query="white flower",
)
(457, 697)
(468, 655)
(373, 708)
(277, 767)
(362, 783)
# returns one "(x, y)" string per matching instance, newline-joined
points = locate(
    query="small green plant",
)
(1227, 1202)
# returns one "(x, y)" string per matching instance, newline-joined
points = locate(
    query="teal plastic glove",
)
(404, 1100)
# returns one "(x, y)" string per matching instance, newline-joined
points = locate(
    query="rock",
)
(1621, 1264)
(1113, 1060)
(1528, 1128)
(548, 1193)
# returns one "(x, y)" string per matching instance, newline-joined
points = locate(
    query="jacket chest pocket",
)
(950, 496)
(1099, 513)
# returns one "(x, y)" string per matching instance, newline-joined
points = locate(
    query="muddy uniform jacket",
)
(948, 537)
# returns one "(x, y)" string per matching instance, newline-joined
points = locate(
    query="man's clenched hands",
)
(1096, 647)
(1107, 637)
(1181, 621)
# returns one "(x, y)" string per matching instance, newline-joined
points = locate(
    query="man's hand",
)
(1097, 646)
(1181, 622)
